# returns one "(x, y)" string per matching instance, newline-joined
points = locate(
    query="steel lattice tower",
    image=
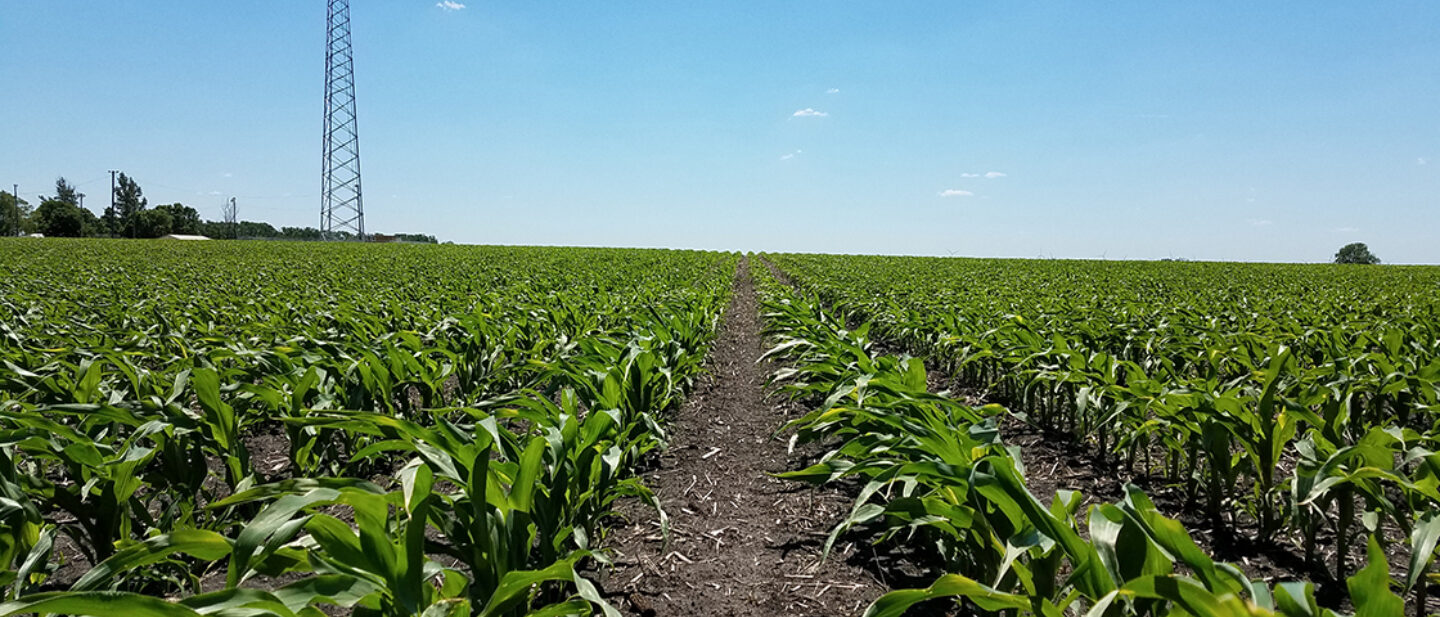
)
(340, 207)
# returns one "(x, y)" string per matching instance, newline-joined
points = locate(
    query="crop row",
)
(278, 429)
(938, 473)
(1296, 402)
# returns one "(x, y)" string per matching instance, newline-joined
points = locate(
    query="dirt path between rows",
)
(743, 543)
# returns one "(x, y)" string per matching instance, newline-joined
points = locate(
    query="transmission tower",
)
(340, 208)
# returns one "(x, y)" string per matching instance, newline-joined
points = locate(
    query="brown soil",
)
(742, 542)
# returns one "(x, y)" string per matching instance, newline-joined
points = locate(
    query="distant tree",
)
(252, 229)
(183, 218)
(14, 215)
(65, 192)
(1356, 253)
(110, 220)
(58, 218)
(129, 202)
(152, 223)
(242, 229)
(300, 233)
(214, 229)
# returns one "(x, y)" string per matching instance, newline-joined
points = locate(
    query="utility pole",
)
(112, 189)
(111, 211)
(340, 204)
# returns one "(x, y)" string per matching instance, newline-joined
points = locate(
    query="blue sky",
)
(1122, 130)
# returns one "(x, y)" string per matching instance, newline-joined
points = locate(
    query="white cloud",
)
(786, 157)
(956, 193)
(994, 174)
(214, 192)
(969, 175)
(833, 91)
(1259, 222)
(1422, 161)
(450, 6)
(227, 175)
(1345, 230)
(989, 174)
(809, 113)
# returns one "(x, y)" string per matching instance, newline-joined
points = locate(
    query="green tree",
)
(151, 223)
(183, 218)
(1356, 253)
(65, 192)
(61, 216)
(58, 218)
(129, 202)
(214, 229)
(300, 233)
(14, 215)
(252, 229)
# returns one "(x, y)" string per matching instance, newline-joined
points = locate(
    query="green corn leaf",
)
(336, 589)
(1185, 593)
(1422, 547)
(895, 603)
(515, 586)
(531, 466)
(204, 545)
(239, 602)
(1370, 587)
(97, 604)
(451, 607)
(271, 527)
(39, 554)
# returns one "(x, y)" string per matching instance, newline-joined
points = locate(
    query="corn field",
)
(455, 422)
(301, 430)
(1287, 406)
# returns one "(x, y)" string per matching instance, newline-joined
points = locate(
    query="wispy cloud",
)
(833, 91)
(1260, 222)
(969, 175)
(989, 174)
(1345, 230)
(227, 175)
(994, 174)
(809, 113)
(1422, 161)
(786, 157)
(214, 193)
(450, 6)
(956, 193)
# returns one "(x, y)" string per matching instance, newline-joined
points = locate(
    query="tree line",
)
(62, 216)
